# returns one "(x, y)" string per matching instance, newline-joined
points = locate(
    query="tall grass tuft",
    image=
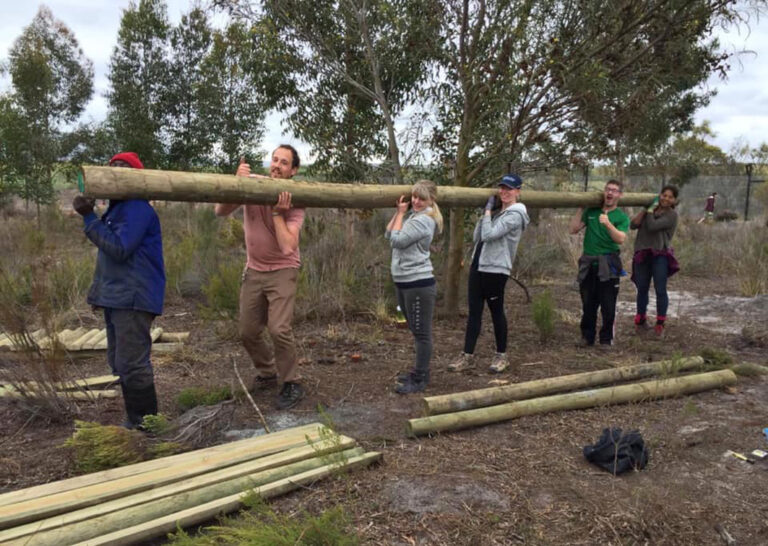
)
(544, 314)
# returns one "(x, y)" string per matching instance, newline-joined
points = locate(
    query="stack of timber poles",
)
(135, 503)
(117, 183)
(89, 388)
(85, 342)
(485, 406)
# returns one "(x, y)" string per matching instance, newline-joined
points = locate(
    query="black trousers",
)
(486, 287)
(603, 295)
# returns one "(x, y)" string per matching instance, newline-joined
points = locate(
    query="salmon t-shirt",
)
(261, 240)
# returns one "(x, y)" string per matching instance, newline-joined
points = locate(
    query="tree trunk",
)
(118, 183)
(636, 392)
(479, 398)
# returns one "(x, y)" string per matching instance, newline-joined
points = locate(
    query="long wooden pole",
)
(117, 183)
(576, 400)
(460, 401)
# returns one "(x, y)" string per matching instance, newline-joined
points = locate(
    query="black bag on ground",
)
(618, 452)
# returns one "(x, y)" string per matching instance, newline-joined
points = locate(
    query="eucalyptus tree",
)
(235, 106)
(139, 78)
(51, 82)
(348, 69)
(188, 95)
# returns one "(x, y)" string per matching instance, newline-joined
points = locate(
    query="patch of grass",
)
(98, 447)
(749, 369)
(164, 449)
(544, 314)
(199, 396)
(716, 358)
(259, 525)
(690, 408)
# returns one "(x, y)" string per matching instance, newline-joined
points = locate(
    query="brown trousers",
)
(267, 299)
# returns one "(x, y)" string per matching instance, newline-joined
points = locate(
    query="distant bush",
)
(222, 291)
(726, 216)
(199, 396)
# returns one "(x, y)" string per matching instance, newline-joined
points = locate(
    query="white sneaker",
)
(462, 362)
(499, 363)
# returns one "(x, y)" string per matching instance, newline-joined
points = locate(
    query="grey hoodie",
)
(500, 236)
(410, 248)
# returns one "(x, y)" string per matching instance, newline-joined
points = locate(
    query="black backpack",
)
(617, 452)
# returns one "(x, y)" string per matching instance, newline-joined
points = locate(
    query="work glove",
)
(83, 205)
(653, 204)
(491, 203)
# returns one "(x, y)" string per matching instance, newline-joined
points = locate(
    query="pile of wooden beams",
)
(135, 503)
(86, 341)
(89, 388)
(485, 406)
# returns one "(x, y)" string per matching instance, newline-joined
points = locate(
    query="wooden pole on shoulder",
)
(119, 183)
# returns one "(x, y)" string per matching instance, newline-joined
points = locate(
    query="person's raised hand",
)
(283, 204)
(402, 205)
(490, 203)
(653, 204)
(243, 169)
(83, 205)
(604, 219)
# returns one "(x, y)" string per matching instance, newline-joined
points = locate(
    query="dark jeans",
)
(486, 287)
(128, 346)
(418, 305)
(656, 268)
(603, 295)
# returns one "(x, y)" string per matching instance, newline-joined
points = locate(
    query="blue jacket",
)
(129, 269)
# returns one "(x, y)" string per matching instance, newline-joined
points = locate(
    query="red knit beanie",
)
(129, 157)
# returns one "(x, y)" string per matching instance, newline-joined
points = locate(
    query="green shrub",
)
(716, 358)
(156, 424)
(222, 291)
(199, 396)
(544, 314)
(261, 526)
(98, 447)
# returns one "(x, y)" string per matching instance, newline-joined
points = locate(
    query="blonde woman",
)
(412, 273)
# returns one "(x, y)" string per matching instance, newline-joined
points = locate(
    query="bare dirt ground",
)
(520, 482)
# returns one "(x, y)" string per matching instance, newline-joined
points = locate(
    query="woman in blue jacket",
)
(412, 273)
(129, 285)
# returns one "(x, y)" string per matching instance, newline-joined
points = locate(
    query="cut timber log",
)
(576, 400)
(117, 183)
(167, 347)
(205, 512)
(460, 401)
(173, 337)
(239, 451)
(77, 344)
(136, 515)
(10, 392)
(318, 449)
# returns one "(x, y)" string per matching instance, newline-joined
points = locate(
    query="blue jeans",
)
(656, 268)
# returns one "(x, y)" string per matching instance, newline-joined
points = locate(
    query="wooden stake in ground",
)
(635, 392)
(460, 401)
(117, 183)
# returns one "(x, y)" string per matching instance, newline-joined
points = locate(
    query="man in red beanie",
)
(129, 285)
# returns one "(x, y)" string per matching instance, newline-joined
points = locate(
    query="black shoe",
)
(411, 384)
(291, 394)
(263, 383)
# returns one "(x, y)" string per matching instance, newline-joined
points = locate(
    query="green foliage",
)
(716, 358)
(164, 449)
(98, 447)
(544, 314)
(51, 82)
(222, 291)
(259, 525)
(156, 424)
(139, 76)
(200, 396)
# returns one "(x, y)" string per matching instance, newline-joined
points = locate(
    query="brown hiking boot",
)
(461, 363)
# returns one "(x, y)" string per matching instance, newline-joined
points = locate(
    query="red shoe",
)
(659, 330)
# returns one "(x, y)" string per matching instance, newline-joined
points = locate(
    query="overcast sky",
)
(739, 111)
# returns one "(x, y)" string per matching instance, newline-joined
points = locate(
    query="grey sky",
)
(740, 109)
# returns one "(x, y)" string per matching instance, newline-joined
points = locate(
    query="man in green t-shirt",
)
(600, 264)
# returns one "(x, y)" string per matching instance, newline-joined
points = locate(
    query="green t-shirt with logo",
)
(597, 241)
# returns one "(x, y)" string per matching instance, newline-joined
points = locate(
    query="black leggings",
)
(486, 287)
